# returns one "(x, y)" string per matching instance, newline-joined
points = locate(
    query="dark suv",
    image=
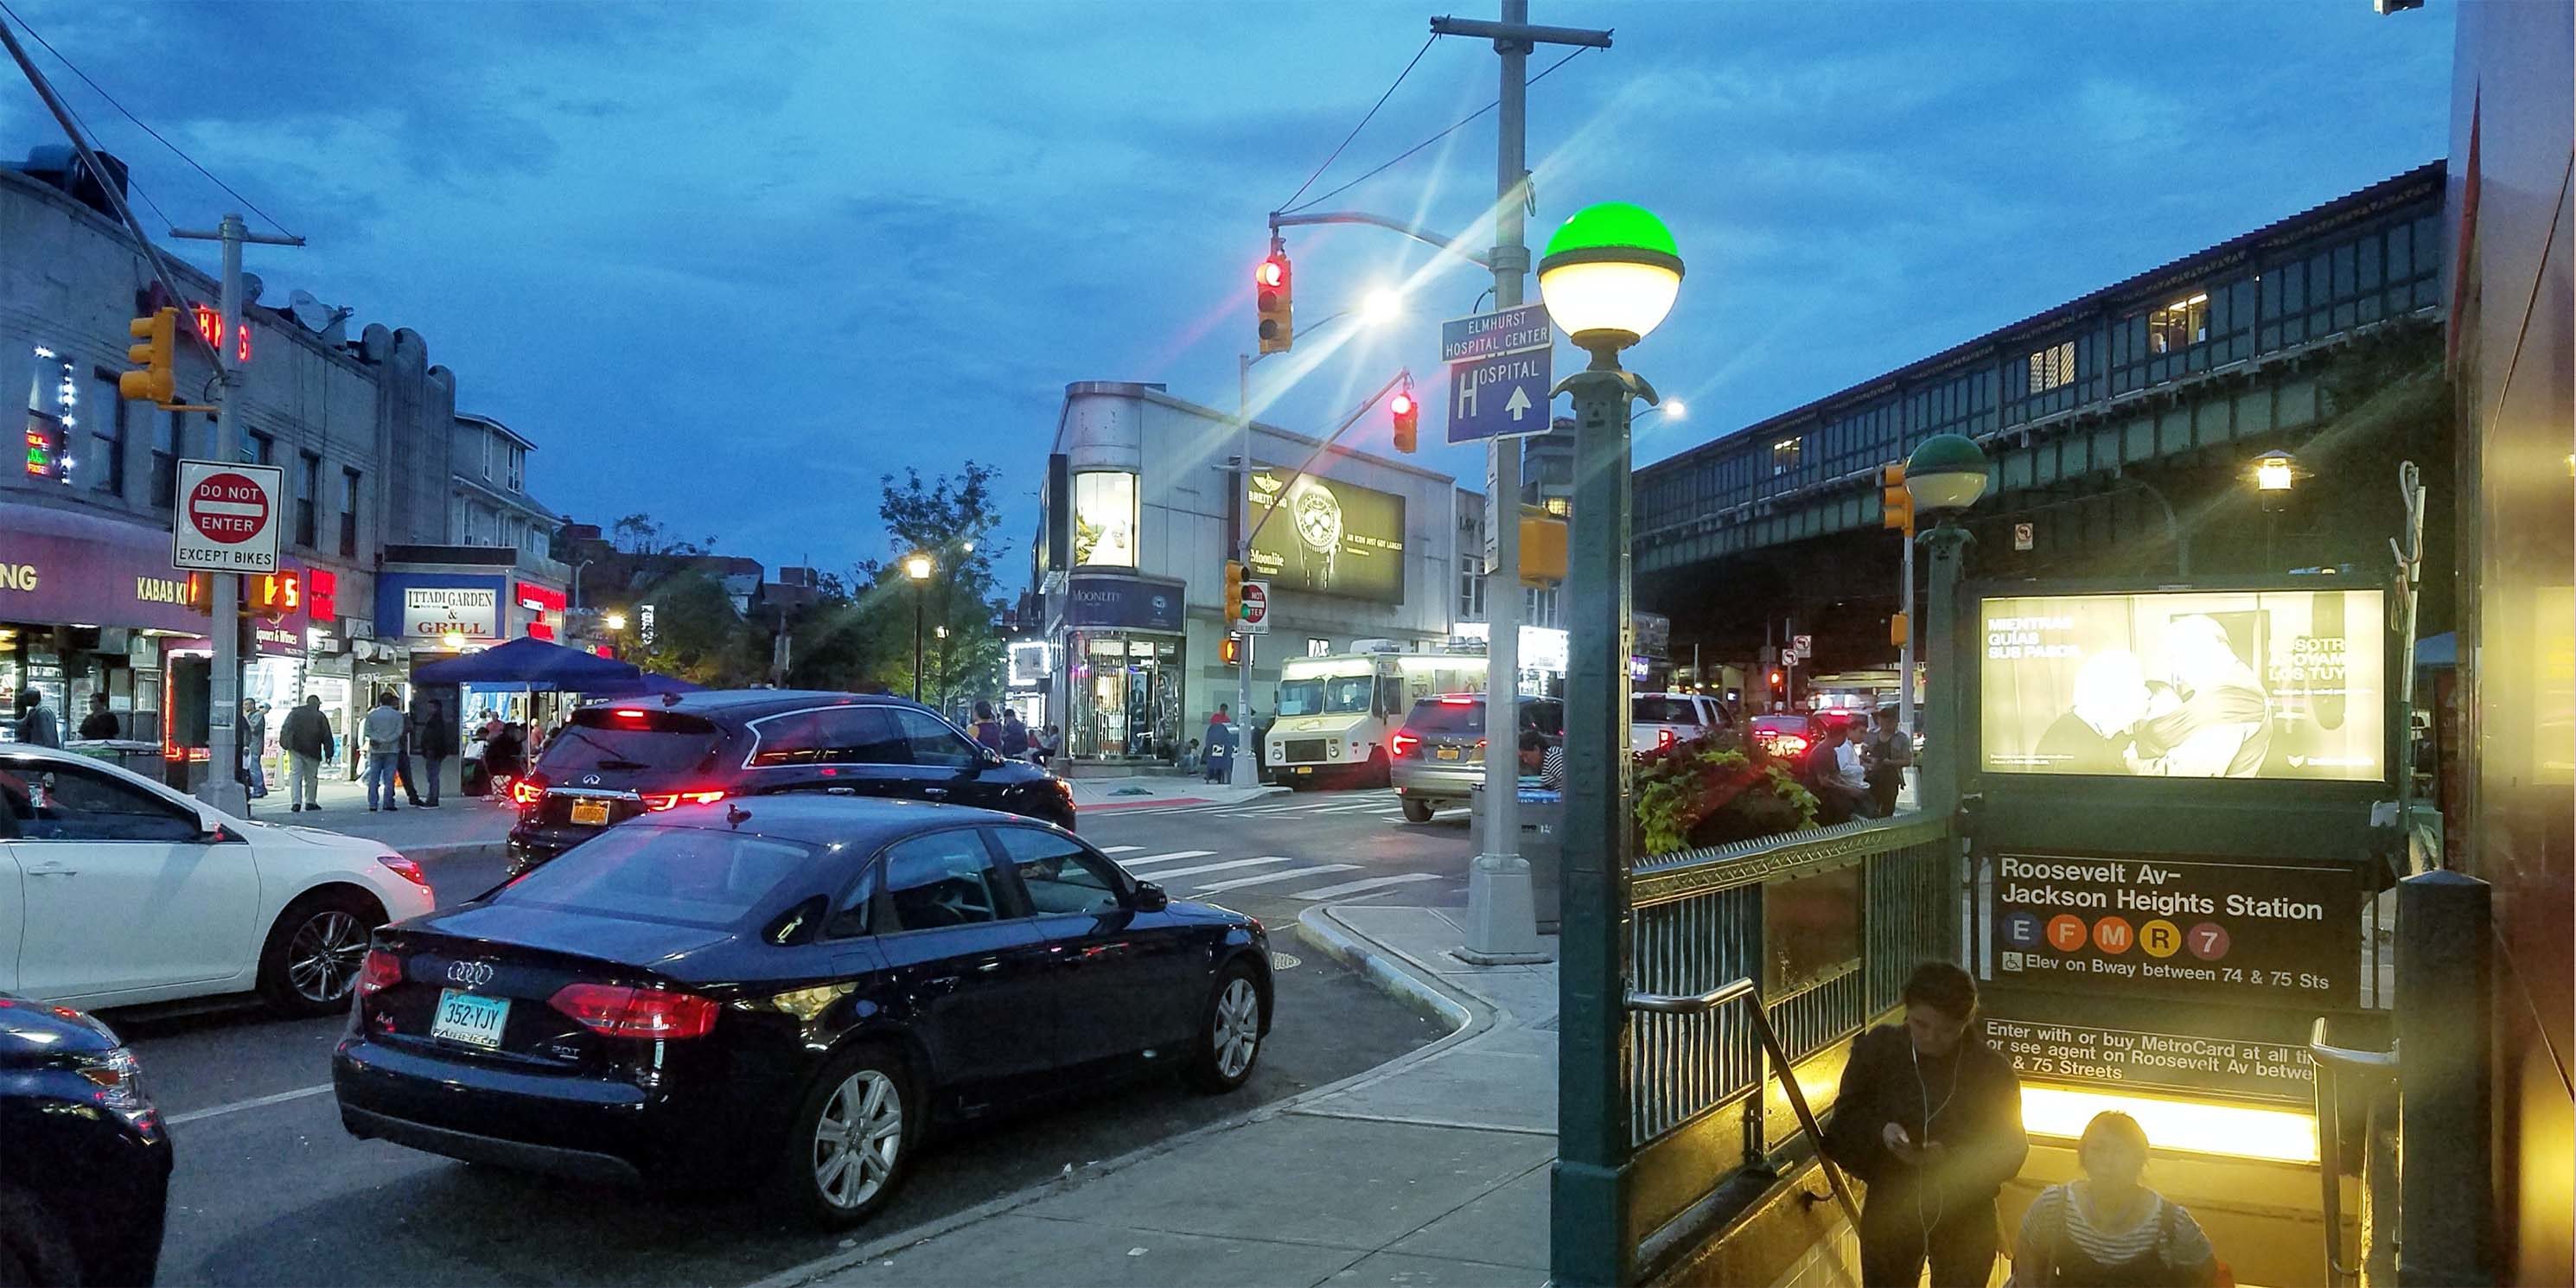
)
(614, 761)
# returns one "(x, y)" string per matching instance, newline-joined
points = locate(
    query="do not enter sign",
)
(1256, 608)
(226, 519)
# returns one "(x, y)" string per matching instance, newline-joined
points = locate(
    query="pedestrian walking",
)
(305, 737)
(36, 725)
(383, 731)
(435, 739)
(100, 723)
(253, 731)
(1929, 1117)
(1015, 735)
(2108, 1230)
(1883, 757)
(988, 730)
(402, 764)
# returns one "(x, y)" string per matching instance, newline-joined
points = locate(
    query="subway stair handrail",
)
(1744, 989)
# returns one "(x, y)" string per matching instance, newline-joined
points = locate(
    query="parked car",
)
(787, 990)
(623, 760)
(85, 1168)
(130, 892)
(1436, 758)
(1662, 719)
(1785, 734)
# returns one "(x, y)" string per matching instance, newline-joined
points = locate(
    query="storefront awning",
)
(62, 567)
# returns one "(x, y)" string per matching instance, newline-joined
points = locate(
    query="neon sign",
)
(210, 324)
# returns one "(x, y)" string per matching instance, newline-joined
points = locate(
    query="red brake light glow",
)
(659, 801)
(1664, 737)
(404, 868)
(1402, 742)
(382, 970)
(524, 792)
(614, 1010)
(1460, 700)
(629, 714)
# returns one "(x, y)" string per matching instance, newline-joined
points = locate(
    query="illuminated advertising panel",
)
(2186, 684)
(1104, 520)
(1329, 538)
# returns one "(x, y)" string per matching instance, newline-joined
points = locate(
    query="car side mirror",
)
(1150, 897)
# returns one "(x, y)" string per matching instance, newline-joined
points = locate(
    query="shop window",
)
(1104, 519)
(2178, 325)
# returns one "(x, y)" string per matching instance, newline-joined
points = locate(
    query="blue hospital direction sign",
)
(1501, 367)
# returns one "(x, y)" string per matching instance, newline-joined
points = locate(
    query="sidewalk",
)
(1430, 1170)
(461, 825)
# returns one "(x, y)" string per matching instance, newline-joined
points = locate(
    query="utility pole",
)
(1502, 918)
(223, 684)
(1905, 654)
(1243, 768)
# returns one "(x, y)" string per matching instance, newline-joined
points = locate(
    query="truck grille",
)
(1304, 749)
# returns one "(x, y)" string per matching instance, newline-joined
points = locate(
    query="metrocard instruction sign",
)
(227, 517)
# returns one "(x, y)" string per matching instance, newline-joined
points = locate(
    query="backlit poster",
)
(2186, 684)
(1328, 537)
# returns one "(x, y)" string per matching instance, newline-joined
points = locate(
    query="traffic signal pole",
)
(1243, 767)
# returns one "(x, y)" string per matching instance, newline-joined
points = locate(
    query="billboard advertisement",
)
(2186, 684)
(1329, 538)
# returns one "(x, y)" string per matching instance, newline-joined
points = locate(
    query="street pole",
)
(1242, 768)
(1937, 781)
(223, 682)
(1502, 914)
(1905, 654)
(918, 591)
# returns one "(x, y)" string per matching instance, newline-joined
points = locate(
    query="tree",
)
(951, 519)
(697, 636)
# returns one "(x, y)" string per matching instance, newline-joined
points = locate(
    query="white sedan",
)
(116, 890)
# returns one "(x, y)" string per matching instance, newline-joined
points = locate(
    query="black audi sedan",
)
(618, 761)
(84, 1159)
(789, 990)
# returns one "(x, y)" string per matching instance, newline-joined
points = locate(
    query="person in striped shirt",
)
(2108, 1230)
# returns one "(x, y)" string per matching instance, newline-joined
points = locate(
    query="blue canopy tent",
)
(534, 664)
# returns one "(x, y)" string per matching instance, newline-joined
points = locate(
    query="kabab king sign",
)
(226, 519)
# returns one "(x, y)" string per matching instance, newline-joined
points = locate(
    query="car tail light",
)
(404, 868)
(381, 971)
(1401, 743)
(526, 792)
(1788, 744)
(1663, 737)
(659, 801)
(614, 1010)
(1460, 700)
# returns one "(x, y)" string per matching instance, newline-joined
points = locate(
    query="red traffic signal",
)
(1408, 415)
(1275, 303)
(1776, 678)
(1273, 273)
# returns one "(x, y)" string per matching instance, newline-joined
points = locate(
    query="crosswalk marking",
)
(1173, 857)
(1365, 883)
(1120, 849)
(1268, 877)
(1169, 873)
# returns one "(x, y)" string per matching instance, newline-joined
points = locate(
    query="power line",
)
(1355, 130)
(1468, 120)
(147, 128)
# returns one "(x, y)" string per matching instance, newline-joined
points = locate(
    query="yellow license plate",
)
(590, 811)
(1447, 753)
(1305, 769)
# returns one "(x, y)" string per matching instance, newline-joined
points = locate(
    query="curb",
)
(1467, 1016)
(1387, 969)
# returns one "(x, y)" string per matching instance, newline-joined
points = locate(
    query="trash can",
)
(1542, 826)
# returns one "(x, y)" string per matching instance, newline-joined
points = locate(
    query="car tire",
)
(34, 1251)
(1229, 1040)
(310, 963)
(1416, 811)
(865, 1090)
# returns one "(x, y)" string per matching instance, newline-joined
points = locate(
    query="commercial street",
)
(269, 1189)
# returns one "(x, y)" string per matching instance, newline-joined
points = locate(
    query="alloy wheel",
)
(1238, 1027)
(857, 1139)
(323, 958)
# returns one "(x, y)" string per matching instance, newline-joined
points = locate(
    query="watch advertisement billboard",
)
(2270, 684)
(1329, 538)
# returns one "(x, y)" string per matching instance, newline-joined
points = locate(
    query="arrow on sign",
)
(1520, 403)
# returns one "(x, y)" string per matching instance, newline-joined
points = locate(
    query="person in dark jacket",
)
(1929, 1117)
(433, 736)
(36, 725)
(305, 737)
(100, 722)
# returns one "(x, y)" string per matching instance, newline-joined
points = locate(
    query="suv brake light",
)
(1664, 736)
(525, 792)
(1401, 743)
(614, 1010)
(659, 801)
(380, 971)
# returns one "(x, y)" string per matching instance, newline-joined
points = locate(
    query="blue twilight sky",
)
(728, 263)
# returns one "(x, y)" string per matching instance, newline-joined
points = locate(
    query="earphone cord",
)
(1923, 1181)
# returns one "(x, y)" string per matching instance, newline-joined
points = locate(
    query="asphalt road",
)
(270, 1190)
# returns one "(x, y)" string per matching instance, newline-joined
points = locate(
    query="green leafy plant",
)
(1715, 790)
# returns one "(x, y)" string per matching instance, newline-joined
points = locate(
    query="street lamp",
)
(614, 622)
(1609, 275)
(1945, 476)
(2274, 474)
(917, 566)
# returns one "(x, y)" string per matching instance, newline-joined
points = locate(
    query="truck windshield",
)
(1327, 695)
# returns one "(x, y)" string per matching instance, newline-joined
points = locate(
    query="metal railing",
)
(2333, 1064)
(1751, 960)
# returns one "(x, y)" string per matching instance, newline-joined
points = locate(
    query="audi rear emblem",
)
(470, 974)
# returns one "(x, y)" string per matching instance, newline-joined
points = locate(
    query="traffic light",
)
(1408, 415)
(1230, 650)
(1233, 592)
(1274, 296)
(1898, 628)
(1896, 504)
(1779, 683)
(158, 379)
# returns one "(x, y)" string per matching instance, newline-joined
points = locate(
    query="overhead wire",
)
(1462, 123)
(146, 127)
(1364, 120)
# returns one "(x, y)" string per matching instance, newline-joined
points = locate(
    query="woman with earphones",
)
(1929, 1117)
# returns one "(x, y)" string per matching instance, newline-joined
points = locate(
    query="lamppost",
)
(616, 623)
(1608, 277)
(2274, 474)
(917, 567)
(1945, 476)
